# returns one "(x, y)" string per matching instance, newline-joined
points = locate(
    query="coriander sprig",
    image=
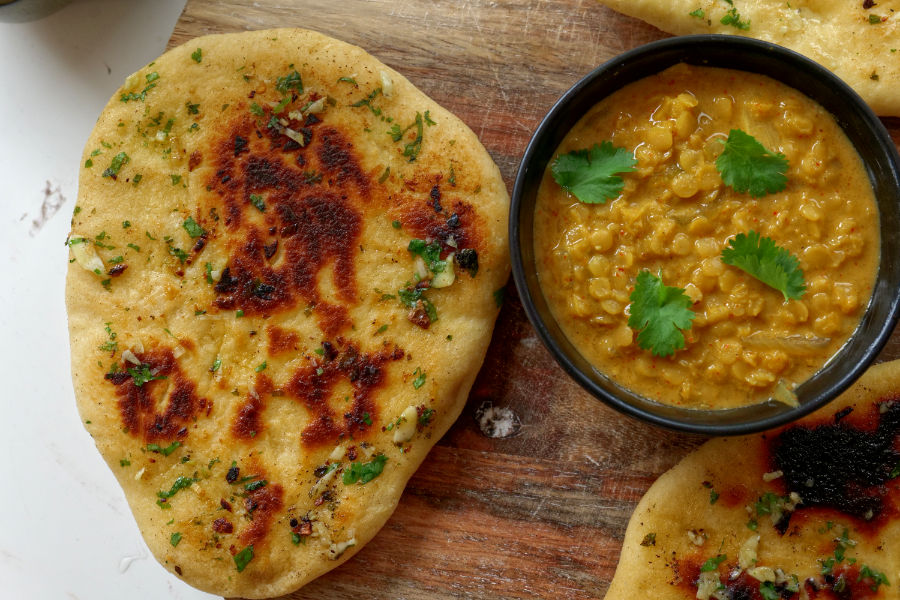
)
(659, 314)
(746, 165)
(763, 259)
(591, 175)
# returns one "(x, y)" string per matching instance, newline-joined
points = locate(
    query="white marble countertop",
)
(65, 529)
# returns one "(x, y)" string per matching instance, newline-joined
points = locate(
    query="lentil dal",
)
(674, 217)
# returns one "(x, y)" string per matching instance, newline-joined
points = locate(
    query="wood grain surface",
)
(540, 514)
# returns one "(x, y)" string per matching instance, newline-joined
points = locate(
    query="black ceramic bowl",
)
(859, 123)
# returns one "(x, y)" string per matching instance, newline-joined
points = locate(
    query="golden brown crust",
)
(243, 355)
(822, 495)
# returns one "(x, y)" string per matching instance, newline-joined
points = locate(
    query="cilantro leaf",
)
(659, 313)
(142, 375)
(768, 592)
(761, 258)
(712, 564)
(291, 81)
(590, 175)
(243, 558)
(364, 472)
(746, 165)
(193, 228)
(430, 253)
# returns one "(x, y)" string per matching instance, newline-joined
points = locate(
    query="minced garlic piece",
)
(405, 427)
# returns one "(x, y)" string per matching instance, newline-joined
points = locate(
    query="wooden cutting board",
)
(540, 514)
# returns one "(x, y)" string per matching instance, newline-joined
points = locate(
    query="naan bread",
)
(858, 40)
(261, 355)
(812, 505)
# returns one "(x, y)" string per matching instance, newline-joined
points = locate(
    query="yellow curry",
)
(674, 216)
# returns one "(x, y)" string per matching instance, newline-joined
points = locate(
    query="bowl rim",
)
(710, 49)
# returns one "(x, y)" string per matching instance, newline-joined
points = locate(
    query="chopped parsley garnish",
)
(367, 101)
(697, 13)
(112, 345)
(137, 179)
(243, 558)
(713, 496)
(428, 119)
(347, 80)
(126, 224)
(124, 462)
(768, 592)
(419, 381)
(396, 224)
(381, 329)
(88, 164)
(256, 109)
(193, 109)
(874, 20)
(176, 179)
(176, 537)
(425, 417)
(178, 253)
(411, 297)
(413, 148)
(761, 258)
(180, 484)
(194, 230)
(134, 247)
(116, 260)
(238, 314)
(279, 108)
(430, 253)
(733, 18)
(876, 577)
(119, 160)
(363, 473)
(257, 201)
(255, 485)
(591, 175)
(291, 81)
(197, 55)
(209, 269)
(384, 176)
(367, 419)
(649, 540)
(142, 375)
(745, 165)
(260, 367)
(713, 563)
(659, 314)
(164, 451)
(216, 364)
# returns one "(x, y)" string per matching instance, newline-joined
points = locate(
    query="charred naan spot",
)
(338, 161)
(435, 202)
(845, 465)
(461, 227)
(240, 145)
(281, 340)
(138, 403)
(291, 223)
(263, 504)
(194, 160)
(248, 423)
(222, 525)
(313, 385)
